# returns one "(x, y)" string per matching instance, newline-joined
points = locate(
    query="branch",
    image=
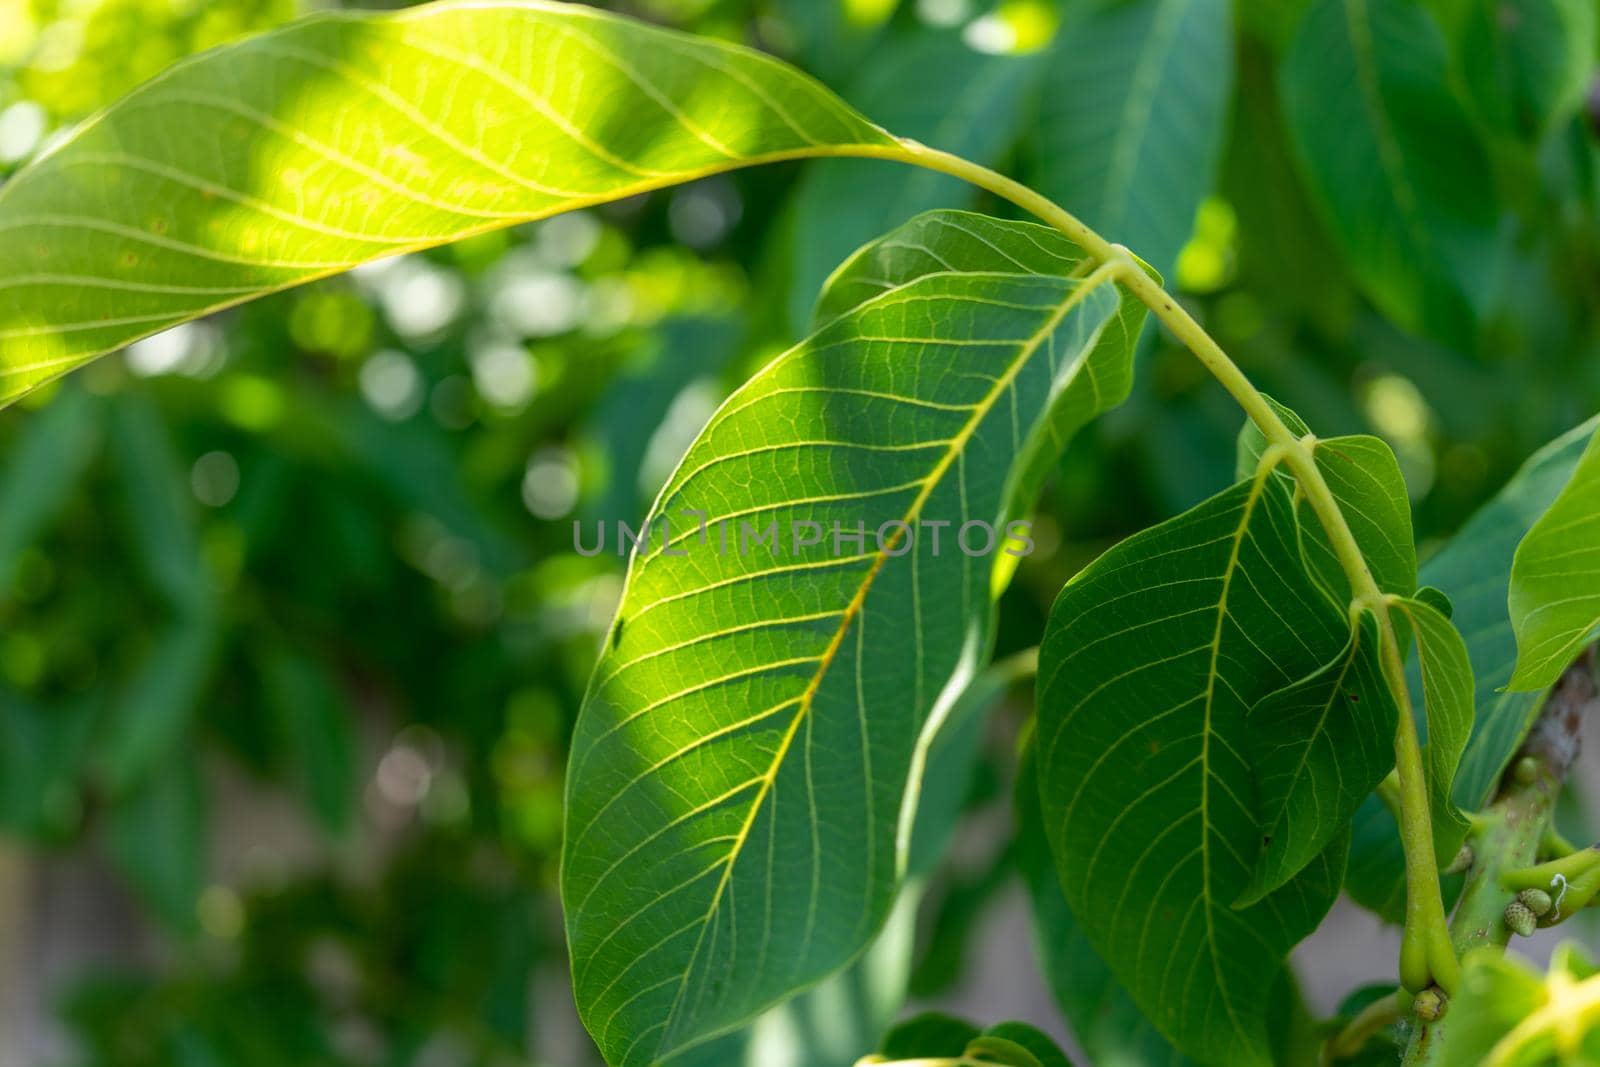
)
(1507, 836)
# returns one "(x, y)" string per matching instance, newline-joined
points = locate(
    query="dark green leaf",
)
(1104, 1019)
(1134, 101)
(1395, 161)
(1318, 747)
(158, 837)
(929, 1034)
(1527, 62)
(318, 733)
(150, 716)
(45, 464)
(928, 85)
(1153, 657)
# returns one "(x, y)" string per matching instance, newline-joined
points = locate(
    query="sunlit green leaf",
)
(351, 136)
(1133, 108)
(1394, 160)
(738, 801)
(1153, 658)
(1555, 579)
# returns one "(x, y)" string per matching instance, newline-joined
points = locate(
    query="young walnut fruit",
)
(1537, 901)
(1521, 919)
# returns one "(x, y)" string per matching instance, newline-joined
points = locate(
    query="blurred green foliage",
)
(321, 545)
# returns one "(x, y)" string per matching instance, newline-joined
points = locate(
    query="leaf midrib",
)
(981, 412)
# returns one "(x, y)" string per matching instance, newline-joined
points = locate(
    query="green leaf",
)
(744, 769)
(1016, 1045)
(1528, 62)
(927, 244)
(1395, 161)
(1555, 579)
(936, 1035)
(1474, 570)
(1153, 657)
(157, 835)
(160, 506)
(317, 733)
(46, 461)
(1104, 1019)
(1446, 672)
(830, 1024)
(926, 84)
(1318, 747)
(1133, 106)
(1364, 477)
(42, 755)
(149, 718)
(352, 136)
(1508, 1015)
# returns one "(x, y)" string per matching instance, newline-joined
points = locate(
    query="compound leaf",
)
(745, 765)
(352, 136)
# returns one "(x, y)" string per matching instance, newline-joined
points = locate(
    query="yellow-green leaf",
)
(1555, 579)
(351, 136)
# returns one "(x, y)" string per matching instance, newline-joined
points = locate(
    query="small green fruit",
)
(1521, 919)
(1537, 901)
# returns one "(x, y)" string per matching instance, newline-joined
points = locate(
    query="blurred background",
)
(292, 635)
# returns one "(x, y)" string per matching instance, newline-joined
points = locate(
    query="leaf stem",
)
(1426, 953)
(1381, 1013)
